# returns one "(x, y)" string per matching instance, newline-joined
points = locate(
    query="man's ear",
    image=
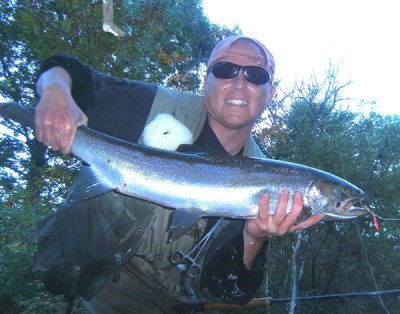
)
(205, 80)
(272, 92)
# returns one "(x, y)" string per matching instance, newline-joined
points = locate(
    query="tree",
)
(311, 125)
(308, 124)
(159, 46)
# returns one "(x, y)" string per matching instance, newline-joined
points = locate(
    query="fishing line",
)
(338, 296)
(376, 218)
(375, 222)
(295, 278)
(377, 159)
(267, 302)
(370, 267)
(383, 218)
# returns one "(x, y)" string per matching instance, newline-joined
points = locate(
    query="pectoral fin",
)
(88, 185)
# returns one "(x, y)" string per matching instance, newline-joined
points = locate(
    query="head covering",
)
(223, 50)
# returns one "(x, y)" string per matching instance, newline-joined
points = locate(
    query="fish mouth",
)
(348, 213)
(349, 204)
(348, 209)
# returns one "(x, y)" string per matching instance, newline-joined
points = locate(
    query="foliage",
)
(310, 126)
(159, 46)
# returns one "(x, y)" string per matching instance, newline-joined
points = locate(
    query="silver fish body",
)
(197, 185)
(207, 184)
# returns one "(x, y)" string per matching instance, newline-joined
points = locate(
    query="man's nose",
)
(239, 80)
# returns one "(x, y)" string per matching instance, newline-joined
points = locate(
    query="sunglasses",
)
(252, 74)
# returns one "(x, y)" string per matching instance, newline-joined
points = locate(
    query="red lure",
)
(376, 222)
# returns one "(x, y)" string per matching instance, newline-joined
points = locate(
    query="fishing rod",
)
(268, 301)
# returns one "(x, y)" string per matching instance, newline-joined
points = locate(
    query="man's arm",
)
(234, 263)
(72, 93)
(118, 107)
(57, 116)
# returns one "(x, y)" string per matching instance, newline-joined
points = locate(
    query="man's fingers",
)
(281, 207)
(263, 212)
(314, 219)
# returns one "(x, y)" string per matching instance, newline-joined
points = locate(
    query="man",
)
(237, 89)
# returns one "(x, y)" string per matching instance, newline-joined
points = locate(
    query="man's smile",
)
(237, 102)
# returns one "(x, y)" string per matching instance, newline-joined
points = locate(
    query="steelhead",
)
(200, 184)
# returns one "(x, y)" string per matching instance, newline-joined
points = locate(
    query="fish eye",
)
(347, 192)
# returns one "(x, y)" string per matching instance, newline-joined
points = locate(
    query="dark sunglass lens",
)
(225, 70)
(253, 74)
(256, 75)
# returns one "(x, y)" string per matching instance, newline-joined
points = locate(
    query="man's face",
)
(236, 103)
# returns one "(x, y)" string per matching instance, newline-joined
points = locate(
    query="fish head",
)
(337, 199)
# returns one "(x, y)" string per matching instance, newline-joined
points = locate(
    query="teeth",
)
(239, 102)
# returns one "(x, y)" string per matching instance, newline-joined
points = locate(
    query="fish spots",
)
(111, 163)
(314, 191)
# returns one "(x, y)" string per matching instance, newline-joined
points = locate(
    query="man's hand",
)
(258, 230)
(57, 116)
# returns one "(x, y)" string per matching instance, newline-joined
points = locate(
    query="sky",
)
(306, 36)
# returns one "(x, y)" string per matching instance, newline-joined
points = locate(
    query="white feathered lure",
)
(166, 132)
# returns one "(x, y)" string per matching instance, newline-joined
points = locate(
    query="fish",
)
(197, 185)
